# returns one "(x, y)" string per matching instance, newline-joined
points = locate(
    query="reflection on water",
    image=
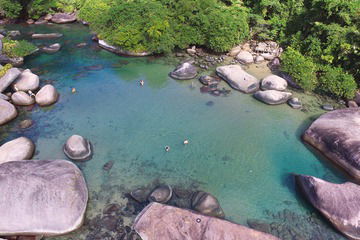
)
(242, 151)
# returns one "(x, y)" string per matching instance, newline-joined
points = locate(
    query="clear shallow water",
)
(240, 150)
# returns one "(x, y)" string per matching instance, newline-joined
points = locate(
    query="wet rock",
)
(21, 98)
(108, 166)
(8, 112)
(26, 81)
(78, 148)
(238, 79)
(352, 104)
(327, 107)
(207, 204)
(81, 45)
(161, 194)
(245, 57)
(336, 134)
(339, 203)
(274, 82)
(26, 123)
(184, 71)
(53, 192)
(140, 194)
(53, 48)
(209, 80)
(46, 35)
(47, 96)
(20, 148)
(163, 222)
(295, 103)
(272, 97)
(61, 18)
(103, 44)
(9, 78)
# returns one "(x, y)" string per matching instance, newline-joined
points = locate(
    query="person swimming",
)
(167, 148)
(186, 142)
(142, 82)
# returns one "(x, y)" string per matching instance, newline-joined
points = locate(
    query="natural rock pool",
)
(240, 150)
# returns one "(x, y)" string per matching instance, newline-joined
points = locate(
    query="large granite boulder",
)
(274, 82)
(162, 222)
(207, 204)
(20, 148)
(339, 203)
(26, 81)
(78, 148)
(7, 112)
(184, 71)
(53, 48)
(337, 135)
(46, 35)
(46, 96)
(103, 44)
(272, 97)
(61, 18)
(238, 79)
(9, 78)
(21, 98)
(245, 57)
(41, 197)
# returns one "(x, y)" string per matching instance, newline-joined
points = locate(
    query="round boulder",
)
(20, 148)
(26, 81)
(47, 96)
(22, 99)
(245, 57)
(7, 112)
(207, 204)
(161, 194)
(78, 148)
(272, 97)
(274, 82)
(184, 71)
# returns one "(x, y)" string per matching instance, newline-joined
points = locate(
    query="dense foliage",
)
(14, 48)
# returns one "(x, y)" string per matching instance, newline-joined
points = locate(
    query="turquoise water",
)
(241, 151)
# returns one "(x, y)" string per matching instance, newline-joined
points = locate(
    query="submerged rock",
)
(273, 82)
(161, 194)
(26, 123)
(245, 57)
(20, 148)
(295, 103)
(78, 148)
(108, 166)
(209, 80)
(272, 97)
(337, 135)
(46, 35)
(26, 81)
(238, 79)
(22, 99)
(61, 18)
(7, 112)
(9, 78)
(53, 197)
(327, 107)
(140, 194)
(339, 203)
(184, 71)
(163, 222)
(47, 96)
(53, 48)
(207, 204)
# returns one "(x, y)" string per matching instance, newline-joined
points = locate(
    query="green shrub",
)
(10, 8)
(4, 69)
(335, 82)
(13, 48)
(301, 68)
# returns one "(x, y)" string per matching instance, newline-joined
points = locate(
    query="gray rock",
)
(20, 148)
(259, 59)
(46, 35)
(161, 194)
(61, 18)
(336, 134)
(7, 112)
(352, 104)
(327, 107)
(26, 123)
(268, 56)
(26, 81)
(41, 21)
(13, 33)
(162, 222)
(238, 79)
(8, 78)
(207, 204)
(339, 203)
(245, 57)
(140, 194)
(272, 97)
(184, 71)
(47, 96)
(53, 48)
(21, 98)
(30, 21)
(4, 97)
(295, 103)
(209, 80)
(78, 148)
(49, 196)
(274, 82)
(117, 50)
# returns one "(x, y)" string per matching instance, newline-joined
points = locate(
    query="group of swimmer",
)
(167, 148)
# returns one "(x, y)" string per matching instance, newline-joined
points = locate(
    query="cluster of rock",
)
(59, 18)
(201, 58)
(18, 88)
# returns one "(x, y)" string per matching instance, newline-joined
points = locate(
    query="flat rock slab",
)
(339, 203)
(41, 197)
(162, 222)
(336, 134)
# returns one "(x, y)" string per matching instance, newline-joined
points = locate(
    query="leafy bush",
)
(300, 67)
(10, 8)
(13, 48)
(4, 69)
